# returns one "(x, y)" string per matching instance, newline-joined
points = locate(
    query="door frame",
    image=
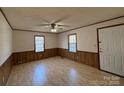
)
(98, 29)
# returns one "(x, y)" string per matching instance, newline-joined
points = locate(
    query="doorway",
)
(111, 49)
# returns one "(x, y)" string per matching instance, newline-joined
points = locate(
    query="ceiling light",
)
(53, 30)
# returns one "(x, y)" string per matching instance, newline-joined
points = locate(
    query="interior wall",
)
(24, 41)
(5, 40)
(86, 37)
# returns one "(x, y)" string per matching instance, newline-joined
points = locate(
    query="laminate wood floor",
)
(59, 71)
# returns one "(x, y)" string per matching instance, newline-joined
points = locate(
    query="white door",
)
(111, 49)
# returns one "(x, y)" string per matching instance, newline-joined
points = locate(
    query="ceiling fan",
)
(54, 26)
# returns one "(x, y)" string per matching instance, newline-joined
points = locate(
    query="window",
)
(39, 43)
(72, 43)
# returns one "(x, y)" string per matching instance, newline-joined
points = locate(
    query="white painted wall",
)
(24, 41)
(5, 40)
(86, 37)
(86, 40)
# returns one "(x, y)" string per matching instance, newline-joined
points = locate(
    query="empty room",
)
(61, 46)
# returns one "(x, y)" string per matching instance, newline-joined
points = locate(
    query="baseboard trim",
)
(112, 73)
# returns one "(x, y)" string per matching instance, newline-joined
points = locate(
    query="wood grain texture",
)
(58, 71)
(88, 58)
(5, 70)
(28, 56)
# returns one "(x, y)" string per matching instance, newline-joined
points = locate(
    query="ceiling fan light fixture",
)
(53, 30)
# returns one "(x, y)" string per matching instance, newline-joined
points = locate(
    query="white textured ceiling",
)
(30, 18)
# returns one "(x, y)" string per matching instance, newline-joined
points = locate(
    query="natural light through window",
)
(72, 43)
(39, 43)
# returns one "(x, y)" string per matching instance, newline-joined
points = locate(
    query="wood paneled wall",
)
(88, 58)
(28, 56)
(5, 70)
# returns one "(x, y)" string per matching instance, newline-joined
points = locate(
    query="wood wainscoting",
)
(28, 56)
(88, 58)
(5, 70)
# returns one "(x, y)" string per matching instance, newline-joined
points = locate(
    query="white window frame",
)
(69, 42)
(35, 43)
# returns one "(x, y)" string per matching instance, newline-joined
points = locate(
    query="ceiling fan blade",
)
(60, 29)
(43, 24)
(41, 19)
(45, 20)
(61, 19)
(64, 25)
